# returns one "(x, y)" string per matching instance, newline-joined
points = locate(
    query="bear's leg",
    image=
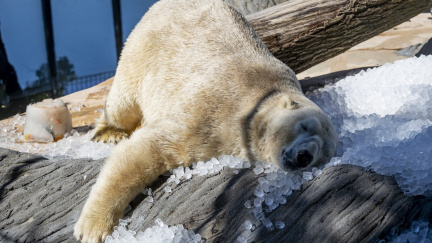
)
(118, 121)
(133, 164)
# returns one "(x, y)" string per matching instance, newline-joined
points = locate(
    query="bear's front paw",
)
(93, 228)
(109, 135)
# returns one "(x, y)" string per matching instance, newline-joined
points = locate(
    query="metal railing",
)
(85, 82)
(68, 87)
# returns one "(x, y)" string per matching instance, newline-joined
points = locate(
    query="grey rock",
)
(409, 51)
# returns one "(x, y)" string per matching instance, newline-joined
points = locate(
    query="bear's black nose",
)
(304, 158)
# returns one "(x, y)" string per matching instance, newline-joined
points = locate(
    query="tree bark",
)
(303, 33)
(41, 199)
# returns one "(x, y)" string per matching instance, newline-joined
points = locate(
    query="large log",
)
(303, 33)
(41, 199)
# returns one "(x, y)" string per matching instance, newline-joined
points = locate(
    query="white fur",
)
(193, 82)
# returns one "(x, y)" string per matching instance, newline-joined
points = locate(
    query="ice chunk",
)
(246, 164)
(47, 121)
(179, 172)
(307, 175)
(247, 204)
(279, 224)
(269, 200)
(316, 171)
(272, 176)
(258, 170)
(262, 180)
(268, 224)
(248, 225)
(280, 200)
(159, 222)
(172, 178)
(149, 199)
(209, 165)
(258, 201)
(259, 192)
(188, 173)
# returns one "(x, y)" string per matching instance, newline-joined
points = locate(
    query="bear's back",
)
(198, 55)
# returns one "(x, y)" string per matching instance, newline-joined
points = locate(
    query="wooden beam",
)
(303, 33)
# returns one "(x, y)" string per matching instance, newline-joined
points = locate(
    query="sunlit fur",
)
(194, 82)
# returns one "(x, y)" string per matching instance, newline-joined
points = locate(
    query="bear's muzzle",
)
(301, 154)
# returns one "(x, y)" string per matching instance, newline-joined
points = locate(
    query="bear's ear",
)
(286, 102)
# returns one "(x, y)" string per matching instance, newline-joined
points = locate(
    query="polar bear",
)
(194, 81)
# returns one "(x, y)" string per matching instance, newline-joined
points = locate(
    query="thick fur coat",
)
(194, 82)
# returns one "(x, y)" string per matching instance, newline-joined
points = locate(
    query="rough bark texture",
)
(41, 199)
(251, 6)
(303, 33)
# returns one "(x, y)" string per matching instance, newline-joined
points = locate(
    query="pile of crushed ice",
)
(418, 232)
(75, 145)
(384, 120)
(159, 233)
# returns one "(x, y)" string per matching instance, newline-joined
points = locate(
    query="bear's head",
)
(293, 133)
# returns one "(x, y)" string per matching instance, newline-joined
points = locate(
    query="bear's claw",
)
(109, 135)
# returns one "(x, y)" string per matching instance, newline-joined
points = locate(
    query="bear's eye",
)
(308, 125)
(304, 127)
(294, 105)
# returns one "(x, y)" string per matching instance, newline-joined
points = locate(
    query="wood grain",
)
(41, 199)
(303, 33)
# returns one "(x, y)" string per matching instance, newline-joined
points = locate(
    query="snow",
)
(384, 120)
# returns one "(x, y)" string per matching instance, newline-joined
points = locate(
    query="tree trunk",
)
(7, 72)
(303, 33)
(41, 199)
